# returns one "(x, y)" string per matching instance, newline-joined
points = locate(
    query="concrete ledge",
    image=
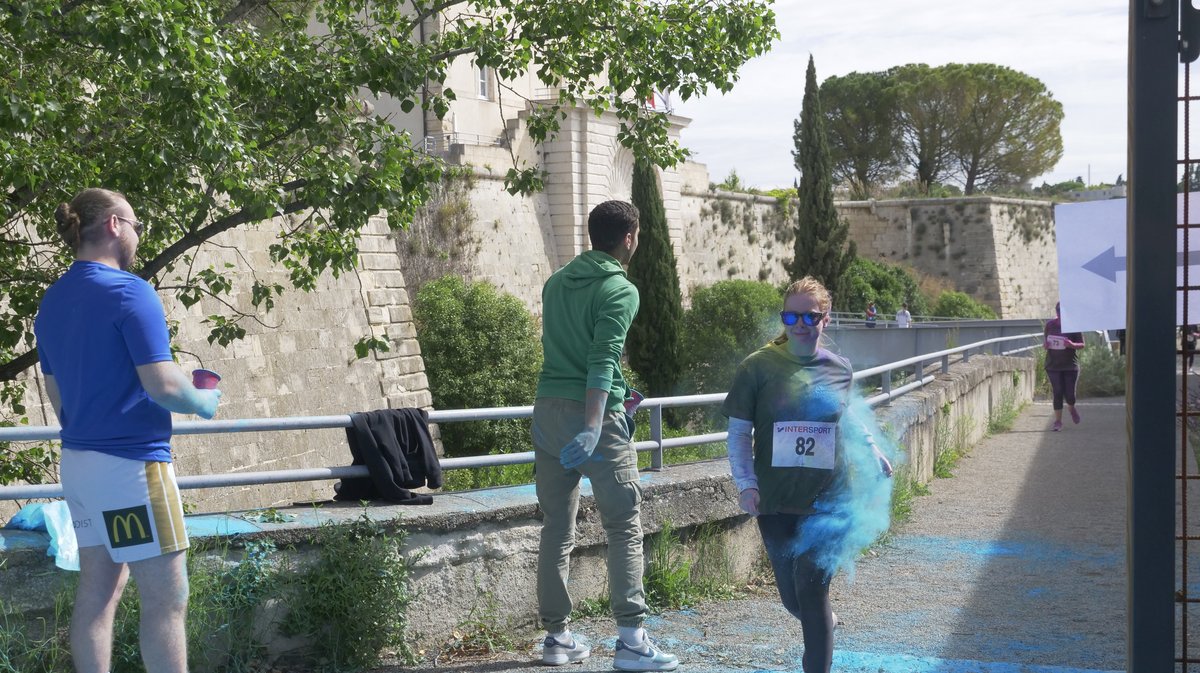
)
(481, 546)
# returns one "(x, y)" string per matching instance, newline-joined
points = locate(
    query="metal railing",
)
(442, 142)
(848, 318)
(655, 405)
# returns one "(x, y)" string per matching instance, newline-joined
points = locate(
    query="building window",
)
(485, 82)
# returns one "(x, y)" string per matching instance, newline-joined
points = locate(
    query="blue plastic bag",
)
(54, 518)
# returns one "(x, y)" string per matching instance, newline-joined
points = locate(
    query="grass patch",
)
(35, 645)
(592, 607)
(483, 633)
(903, 495)
(950, 442)
(487, 477)
(683, 568)
(1004, 413)
(1041, 382)
(674, 580)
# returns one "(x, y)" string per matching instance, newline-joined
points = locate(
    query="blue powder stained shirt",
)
(771, 386)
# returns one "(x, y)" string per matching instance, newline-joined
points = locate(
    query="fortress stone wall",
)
(1000, 251)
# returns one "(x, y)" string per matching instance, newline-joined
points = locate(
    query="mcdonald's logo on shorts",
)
(128, 527)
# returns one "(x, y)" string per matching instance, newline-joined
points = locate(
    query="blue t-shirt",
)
(95, 325)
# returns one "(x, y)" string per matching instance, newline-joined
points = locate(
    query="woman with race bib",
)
(1062, 365)
(785, 449)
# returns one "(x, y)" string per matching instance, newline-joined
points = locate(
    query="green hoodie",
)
(587, 307)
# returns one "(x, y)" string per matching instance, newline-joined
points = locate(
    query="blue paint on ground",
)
(211, 525)
(985, 550)
(496, 496)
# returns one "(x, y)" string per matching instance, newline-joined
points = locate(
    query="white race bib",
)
(1056, 343)
(804, 444)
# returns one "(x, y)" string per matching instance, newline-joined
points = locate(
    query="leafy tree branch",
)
(216, 115)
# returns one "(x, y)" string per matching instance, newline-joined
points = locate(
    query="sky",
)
(1077, 48)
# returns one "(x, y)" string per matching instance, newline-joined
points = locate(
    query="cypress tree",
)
(821, 249)
(653, 340)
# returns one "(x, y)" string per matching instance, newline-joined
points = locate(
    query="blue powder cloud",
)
(856, 508)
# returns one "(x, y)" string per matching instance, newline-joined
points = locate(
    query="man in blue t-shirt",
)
(105, 353)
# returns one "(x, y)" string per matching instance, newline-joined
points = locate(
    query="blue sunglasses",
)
(811, 319)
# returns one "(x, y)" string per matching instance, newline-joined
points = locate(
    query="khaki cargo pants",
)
(612, 471)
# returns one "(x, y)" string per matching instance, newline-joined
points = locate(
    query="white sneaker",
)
(555, 653)
(645, 657)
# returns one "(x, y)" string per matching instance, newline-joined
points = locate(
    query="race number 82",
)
(804, 444)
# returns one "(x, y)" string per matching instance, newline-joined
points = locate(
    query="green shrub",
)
(1101, 371)
(481, 349)
(727, 321)
(351, 604)
(951, 304)
(225, 598)
(1041, 382)
(887, 284)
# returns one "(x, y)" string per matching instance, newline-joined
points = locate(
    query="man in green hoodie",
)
(580, 429)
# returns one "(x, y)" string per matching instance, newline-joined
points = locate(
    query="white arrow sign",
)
(1092, 262)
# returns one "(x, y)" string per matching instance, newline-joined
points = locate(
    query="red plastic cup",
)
(635, 398)
(205, 378)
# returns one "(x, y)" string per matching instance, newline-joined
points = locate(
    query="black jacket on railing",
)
(398, 451)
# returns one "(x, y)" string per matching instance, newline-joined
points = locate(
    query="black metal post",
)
(1150, 408)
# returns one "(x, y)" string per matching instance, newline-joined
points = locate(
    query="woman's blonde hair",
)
(75, 219)
(811, 286)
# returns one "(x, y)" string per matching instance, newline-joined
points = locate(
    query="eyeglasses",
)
(810, 319)
(138, 227)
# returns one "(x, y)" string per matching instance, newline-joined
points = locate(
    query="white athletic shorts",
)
(132, 507)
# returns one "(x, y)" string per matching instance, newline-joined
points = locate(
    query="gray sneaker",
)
(555, 653)
(646, 657)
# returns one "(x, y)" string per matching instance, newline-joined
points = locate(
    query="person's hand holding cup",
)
(206, 380)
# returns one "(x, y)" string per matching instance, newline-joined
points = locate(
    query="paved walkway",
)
(1016, 564)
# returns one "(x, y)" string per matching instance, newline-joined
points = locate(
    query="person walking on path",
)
(903, 317)
(786, 446)
(1062, 365)
(1187, 342)
(580, 429)
(106, 356)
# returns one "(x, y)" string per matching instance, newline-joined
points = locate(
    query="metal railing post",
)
(656, 423)
(946, 363)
